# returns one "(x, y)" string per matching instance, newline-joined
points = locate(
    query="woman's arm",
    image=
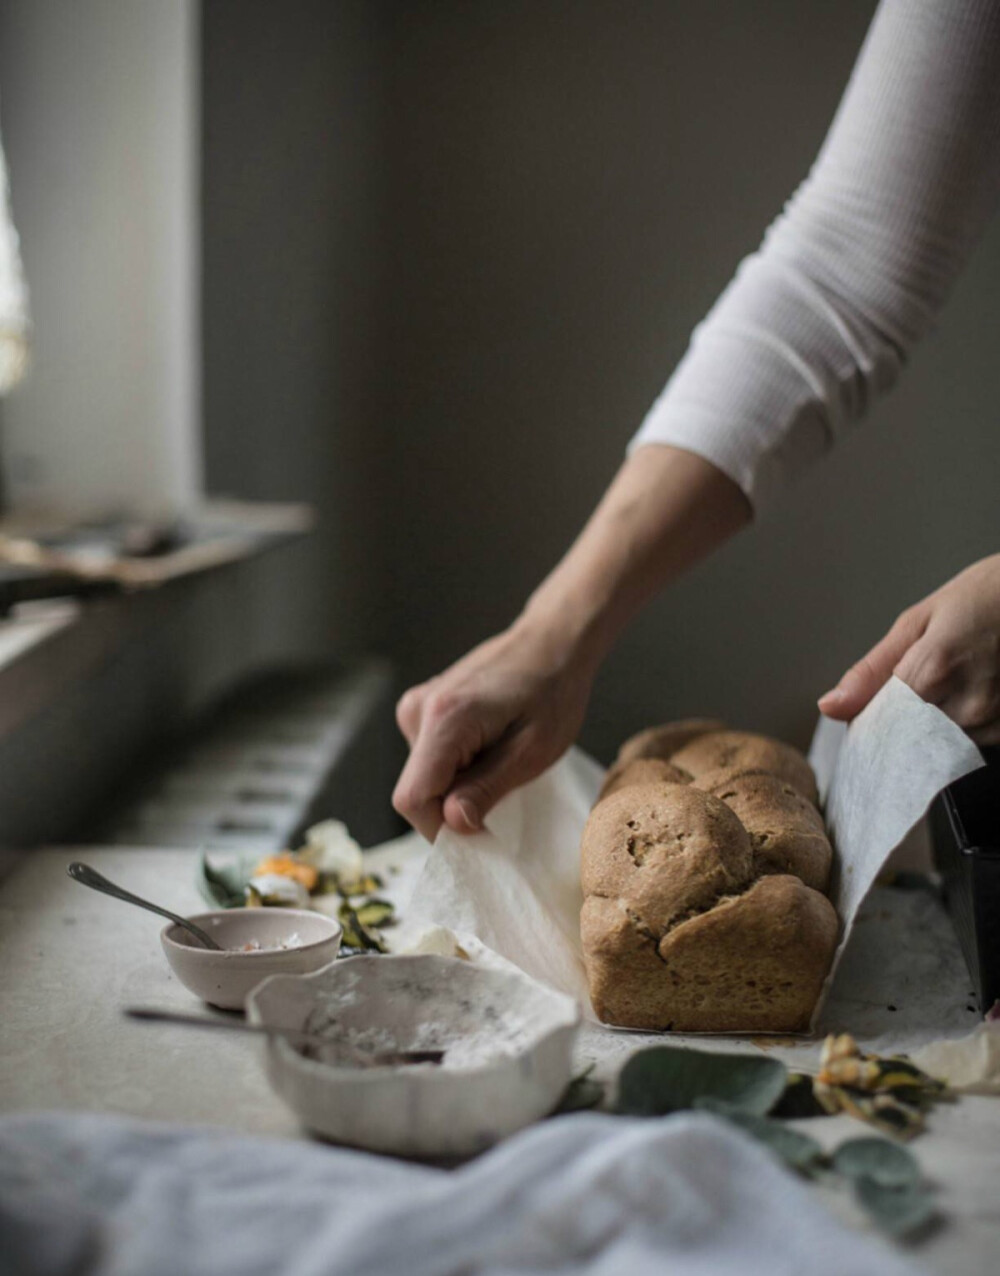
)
(818, 323)
(509, 708)
(813, 328)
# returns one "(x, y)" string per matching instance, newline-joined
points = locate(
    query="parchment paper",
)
(512, 893)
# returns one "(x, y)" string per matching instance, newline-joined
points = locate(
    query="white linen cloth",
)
(14, 320)
(588, 1194)
(819, 322)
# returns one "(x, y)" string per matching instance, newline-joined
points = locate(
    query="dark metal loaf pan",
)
(965, 826)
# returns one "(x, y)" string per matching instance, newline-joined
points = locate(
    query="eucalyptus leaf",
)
(885, 1163)
(669, 1079)
(897, 1210)
(222, 887)
(800, 1151)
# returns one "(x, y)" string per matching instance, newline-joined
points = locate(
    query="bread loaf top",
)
(743, 750)
(664, 741)
(786, 830)
(667, 851)
(641, 771)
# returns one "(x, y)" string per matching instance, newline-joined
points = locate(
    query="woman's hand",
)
(947, 648)
(488, 724)
(510, 708)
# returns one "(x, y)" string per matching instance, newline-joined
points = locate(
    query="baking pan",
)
(965, 827)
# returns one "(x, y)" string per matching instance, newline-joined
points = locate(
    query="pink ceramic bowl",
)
(257, 942)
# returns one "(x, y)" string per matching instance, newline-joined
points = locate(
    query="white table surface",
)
(72, 959)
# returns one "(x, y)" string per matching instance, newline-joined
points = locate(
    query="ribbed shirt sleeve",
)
(819, 321)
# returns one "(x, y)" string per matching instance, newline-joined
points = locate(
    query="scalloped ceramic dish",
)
(224, 979)
(507, 1039)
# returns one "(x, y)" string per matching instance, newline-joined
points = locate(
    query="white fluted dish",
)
(508, 1043)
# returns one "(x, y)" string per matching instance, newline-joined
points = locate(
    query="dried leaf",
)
(356, 935)
(331, 849)
(288, 864)
(799, 1099)
(375, 912)
(334, 884)
(664, 1079)
(884, 1111)
(277, 890)
(328, 884)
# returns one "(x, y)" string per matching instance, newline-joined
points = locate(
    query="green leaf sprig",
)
(222, 887)
(887, 1184)
(665, 1079)
(744, 1089)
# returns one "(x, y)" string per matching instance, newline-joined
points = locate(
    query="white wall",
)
(100, 117)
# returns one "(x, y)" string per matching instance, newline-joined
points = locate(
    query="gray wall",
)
(292, 210)
(492, 227)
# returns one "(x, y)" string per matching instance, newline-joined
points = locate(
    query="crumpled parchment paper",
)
(513, 892)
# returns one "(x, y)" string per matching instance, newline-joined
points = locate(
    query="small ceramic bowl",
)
(224, 979)
(507, 1039)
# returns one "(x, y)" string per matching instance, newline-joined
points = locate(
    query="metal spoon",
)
(361, 1058)
(88, 876)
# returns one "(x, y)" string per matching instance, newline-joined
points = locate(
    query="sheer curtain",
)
(14, 320)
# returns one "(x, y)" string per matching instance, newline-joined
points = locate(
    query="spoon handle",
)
(363, 1058)
(152, 1015)
(88, 876)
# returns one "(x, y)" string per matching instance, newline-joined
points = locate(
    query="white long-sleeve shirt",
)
(819, 321)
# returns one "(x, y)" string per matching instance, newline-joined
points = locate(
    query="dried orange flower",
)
(286, 865)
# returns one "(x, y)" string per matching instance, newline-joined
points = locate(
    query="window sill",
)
(89, 686)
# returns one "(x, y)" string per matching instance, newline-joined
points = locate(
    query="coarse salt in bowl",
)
(257, 943)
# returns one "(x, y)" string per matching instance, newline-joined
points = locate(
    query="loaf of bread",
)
(703, 864)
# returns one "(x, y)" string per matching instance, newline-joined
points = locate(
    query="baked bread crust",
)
(664, 741)
(743, 751)
(786, 831)
(641, 771)
(664, 851)
(754, 962)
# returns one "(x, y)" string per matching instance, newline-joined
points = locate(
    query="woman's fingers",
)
(511, 762)
(489, 723)
(408, 712)
(930, 670)
(447, 742)
(972, 700)
(860, 683)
